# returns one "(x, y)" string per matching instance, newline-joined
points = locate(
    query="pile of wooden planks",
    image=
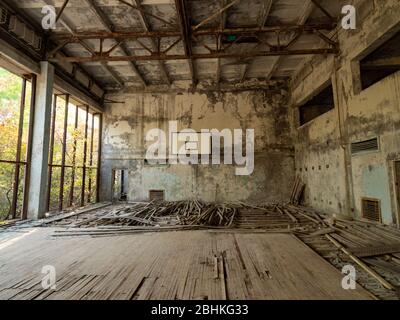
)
(372, 248)
(160, 214)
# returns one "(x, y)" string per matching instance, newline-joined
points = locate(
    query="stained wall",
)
(126, 125)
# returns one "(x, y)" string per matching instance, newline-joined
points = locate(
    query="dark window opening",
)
(317, 106)
(381, 63)
(365, 146)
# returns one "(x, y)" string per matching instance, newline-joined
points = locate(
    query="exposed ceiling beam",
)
(381, 63)
(216, 55)
(125, 35)
(224, 18)
(107, 68)
(156, 2)
(62, 10)
(143, 12)
(307, 10)
(113, 74)
(320, 7)
(146, 28)
(215, 15)
(107, 23)
(186, 35)
(262, 20)
(264, 14)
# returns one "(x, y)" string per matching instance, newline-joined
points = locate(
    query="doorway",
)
(120, 185)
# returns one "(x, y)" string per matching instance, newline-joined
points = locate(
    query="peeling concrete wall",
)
(126, 125)
(336, 180)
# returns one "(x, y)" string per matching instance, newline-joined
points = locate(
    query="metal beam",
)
(85, 145)
(63, 155)
(213, 16)
(320, 7)
(14, 201)
(163, 57)
(91, 160)
(146, 27)
(382, 63)
(186, 36)
(29, 148)
(262, 20)
(224, 17)
(62, 10)
(305, 14)
(99, 151)
(131, 35)
(104, 19)
(72, 32)
(143, 12)
(74, 148)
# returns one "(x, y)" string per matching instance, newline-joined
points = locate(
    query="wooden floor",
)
(168, 265)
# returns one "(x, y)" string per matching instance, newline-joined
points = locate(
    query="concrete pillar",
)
(40, 142)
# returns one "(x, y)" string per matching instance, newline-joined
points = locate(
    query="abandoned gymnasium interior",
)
(199, 150)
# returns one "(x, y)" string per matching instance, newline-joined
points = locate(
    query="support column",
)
(40, 143)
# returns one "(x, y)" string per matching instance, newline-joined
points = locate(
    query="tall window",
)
(74, 150)
(15, 101)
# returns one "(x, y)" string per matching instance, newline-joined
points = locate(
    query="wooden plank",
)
(171, 265)
(364, 252)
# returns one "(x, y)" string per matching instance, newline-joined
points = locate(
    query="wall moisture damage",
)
(336, 179)
(124, 147)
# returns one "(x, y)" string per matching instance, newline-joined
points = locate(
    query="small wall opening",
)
(120, 185)
(370, 145)
(318, 105)
(381, 63)
(157, 195)
(371, 209)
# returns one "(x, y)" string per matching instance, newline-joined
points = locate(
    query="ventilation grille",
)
(157, 195)
(364, 146)
(371, 209)
(3, 15)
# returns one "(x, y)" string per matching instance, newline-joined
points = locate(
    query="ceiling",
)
(210, 44)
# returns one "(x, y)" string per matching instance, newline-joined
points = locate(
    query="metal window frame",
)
(85, 166)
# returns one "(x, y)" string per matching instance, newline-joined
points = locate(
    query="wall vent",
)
(158, 195)
(364, 146)
(3, 15)
(371, 209)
